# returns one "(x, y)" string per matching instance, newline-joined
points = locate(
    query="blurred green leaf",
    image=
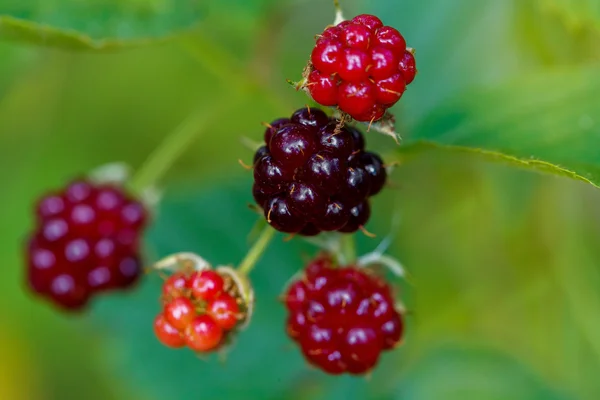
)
(458, 373)
(97, 24)
(576, 13)
(547, 122)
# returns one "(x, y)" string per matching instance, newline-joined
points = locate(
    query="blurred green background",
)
(504, 293)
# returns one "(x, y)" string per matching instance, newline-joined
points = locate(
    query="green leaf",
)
(456, 372)
(97, 24)
(547, 122)
(577, 14)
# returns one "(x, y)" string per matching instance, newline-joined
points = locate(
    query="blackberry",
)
(342, 318)
(86, 241)
(315, 176)
(360, 66)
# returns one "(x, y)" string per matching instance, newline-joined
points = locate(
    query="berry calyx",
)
(352, 65)
(342, 317)
(86, 241)
(315, 173)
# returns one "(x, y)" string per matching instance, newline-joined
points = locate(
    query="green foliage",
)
(505, 262)
(98, 24)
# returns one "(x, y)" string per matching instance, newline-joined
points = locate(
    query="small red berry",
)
(370, 21)
(166, 333)
(225, 310)
(353, 65)
(175, 285)
(361, 51)
(326, 56)
(408, 67)
(356, 36)
(203, 334)
(384, 62)
(389, 37)
(356, 98)
(206, 285)
(323, 88)
(179, 312)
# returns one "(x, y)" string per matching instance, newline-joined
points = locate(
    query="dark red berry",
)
(335, 217)
(259, 194)
(167, 334)
(86, 242)
(314, 175)
(357, 186)
(260, 153)
(224, 310)
(342, 318)
(206, 285)
(309, 230)
(281, 217)
(324, 171)
(336, 141)
(359, 215)
(274, 127)
(306, 200)
(373, 165)
(203, 334)
(271, 175)
(291, 145)
(407, 67)
(312, 117)
(353, 56)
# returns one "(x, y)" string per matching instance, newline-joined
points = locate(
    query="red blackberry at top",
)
(86, 241)
(360, 66)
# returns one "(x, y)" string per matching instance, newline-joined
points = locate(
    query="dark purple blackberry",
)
(314, 176)
(86, 241)
(373, 165)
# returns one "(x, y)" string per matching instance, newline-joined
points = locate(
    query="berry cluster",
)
(342, 318)
(314, 175)
(200, 308)
(86, 241)
(360, 66)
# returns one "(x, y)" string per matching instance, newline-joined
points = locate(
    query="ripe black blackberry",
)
(86, 241)
(312, 176)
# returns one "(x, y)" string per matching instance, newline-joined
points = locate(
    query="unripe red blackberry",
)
(342, 317)
(314, 175)
(86, 241)
(202, 308)
(360, 66)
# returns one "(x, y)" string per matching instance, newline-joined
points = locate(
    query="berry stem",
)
(339, 15)
(347, 248)
(256, 251)
(174, 144)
